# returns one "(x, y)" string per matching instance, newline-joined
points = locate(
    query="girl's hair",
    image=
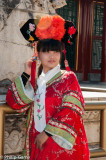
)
(47, 45)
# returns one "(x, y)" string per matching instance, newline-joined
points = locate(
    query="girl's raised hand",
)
(28, 65)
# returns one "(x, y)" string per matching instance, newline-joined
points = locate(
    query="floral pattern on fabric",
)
(40, 108)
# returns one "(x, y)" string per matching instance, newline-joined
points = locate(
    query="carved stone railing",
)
(4, 108)
(95, 100)
(90, 106)
(100, 106)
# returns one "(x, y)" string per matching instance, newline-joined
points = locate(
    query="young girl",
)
(55, 129)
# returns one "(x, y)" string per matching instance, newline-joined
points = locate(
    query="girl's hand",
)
(41, 139)
(28, 65)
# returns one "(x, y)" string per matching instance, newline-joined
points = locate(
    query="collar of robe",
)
(39, 102)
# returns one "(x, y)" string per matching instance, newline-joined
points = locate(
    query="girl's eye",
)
(55, 53)
(46, 52)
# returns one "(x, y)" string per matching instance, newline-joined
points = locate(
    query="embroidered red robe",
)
(64, 109)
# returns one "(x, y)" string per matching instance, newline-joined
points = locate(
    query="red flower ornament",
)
(71, 30)
(50, 27)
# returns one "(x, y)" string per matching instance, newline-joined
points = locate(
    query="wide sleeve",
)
(19, 97)
(66, 123)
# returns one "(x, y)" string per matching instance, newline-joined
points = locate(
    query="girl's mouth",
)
(51, 61)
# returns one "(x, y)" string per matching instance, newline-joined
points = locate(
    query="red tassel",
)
(33, 74)
(64, 51)
(33, 68)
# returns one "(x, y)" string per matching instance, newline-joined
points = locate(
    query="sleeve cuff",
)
(48, 134)
(25, 77)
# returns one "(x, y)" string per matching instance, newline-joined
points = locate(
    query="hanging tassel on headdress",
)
(33, 68)
(65, 61)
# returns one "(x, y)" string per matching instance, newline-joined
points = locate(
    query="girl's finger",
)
(40, 146)
(37, 144)
(35, 141)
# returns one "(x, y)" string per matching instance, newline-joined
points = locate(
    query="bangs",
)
(47, 45)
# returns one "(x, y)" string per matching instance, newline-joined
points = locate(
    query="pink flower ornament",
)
(31, 27)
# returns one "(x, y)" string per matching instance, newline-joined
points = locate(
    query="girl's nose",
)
(51, 55)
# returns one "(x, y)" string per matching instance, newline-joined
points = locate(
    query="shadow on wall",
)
(4, 84)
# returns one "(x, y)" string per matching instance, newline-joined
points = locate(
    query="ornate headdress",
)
(49, 27)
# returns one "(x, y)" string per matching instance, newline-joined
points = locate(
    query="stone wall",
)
(14, 49)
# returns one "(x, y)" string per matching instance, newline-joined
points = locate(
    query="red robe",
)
(64, 106)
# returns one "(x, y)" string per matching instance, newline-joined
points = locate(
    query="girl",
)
(55, 129)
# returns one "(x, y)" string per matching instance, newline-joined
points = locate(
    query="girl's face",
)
(49, 59)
